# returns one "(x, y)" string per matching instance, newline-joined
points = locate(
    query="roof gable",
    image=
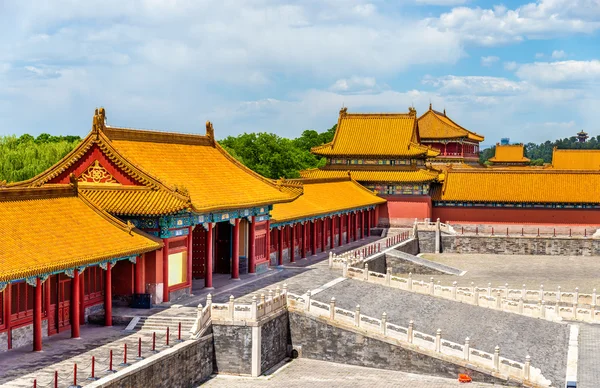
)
(509, 153)
(434, 125)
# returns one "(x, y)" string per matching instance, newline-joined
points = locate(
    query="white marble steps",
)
(159, 324)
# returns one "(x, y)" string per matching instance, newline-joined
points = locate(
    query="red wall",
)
(554, 216)
(122, 278)
(403, 209)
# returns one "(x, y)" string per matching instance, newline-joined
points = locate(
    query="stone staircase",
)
(159, 323)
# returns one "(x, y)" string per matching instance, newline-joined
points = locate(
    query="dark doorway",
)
(223, 247)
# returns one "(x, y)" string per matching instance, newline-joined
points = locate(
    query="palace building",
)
(185, 210)
(509, 155)
(454, 143)
(384, 154)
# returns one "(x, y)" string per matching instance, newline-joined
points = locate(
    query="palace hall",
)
(131, 212)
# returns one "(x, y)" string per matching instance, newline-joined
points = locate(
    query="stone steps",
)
(159, 324)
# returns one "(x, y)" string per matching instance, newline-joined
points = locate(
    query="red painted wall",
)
(403, 209)
(90, 156)
(553, 216)
(123, 278)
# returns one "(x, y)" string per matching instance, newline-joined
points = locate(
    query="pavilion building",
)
(210, 212)
(330, 213)
(454, 143)
(383, 153)
(59, 255)
(509, 155)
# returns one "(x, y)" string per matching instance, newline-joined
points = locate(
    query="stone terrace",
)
(518, 336)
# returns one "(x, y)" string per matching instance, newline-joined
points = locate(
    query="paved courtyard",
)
(551, 271)
(303, 373)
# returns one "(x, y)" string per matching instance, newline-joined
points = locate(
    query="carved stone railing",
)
(360, 255)
(549, 305)
(426, 343)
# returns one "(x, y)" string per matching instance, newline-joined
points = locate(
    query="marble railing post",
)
(409, 332)
(384, 323)
(438, 340)
(332, 308)
(357, 316)
(467, 350)
(497, 358)
(231, 307)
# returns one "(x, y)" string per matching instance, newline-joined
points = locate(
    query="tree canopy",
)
(26, 156)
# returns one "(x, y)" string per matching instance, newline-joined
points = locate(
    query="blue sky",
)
(525, 70)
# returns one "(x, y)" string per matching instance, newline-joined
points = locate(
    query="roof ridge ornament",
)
(412, 111)
(99, 121)
(210, 132)
(343, 111)
(73, 181)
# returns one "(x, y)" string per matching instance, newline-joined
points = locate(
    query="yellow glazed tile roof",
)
(576, 159)
(135, 200)
(512, 153)
(196, 165)
(375, 135)
(322, 197)
(52, 229)
(401, 176)
(520, 186)
(436, 125)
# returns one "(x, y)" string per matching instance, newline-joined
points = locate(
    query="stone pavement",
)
(518, 336)
(588, 369)
(302, 373)
(551, 271)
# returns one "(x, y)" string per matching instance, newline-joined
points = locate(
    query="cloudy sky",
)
(528, 71)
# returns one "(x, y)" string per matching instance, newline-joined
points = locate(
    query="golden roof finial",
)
(210, 131)
(412, 111)
(99, 121)
(430, 108)
(444, 111)
(343, 111)
(73, 181)
(130, 226)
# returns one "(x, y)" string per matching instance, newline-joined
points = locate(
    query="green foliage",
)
(542, 153)
(275, 157)
(25, 156)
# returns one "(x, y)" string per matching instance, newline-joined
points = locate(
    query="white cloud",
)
(558, 54)
(441, 2)
(489, 61)
(476, 85)
(539, 55)
(541, 20)
(510, 66)
(356, 84)
(583, 72)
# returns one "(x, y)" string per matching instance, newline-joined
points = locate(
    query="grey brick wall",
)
(520, 245)
(188, 365)
(426, 241)
(321, 341)
(233, 349)
(23, 335)
(3, 341)
(275, 337)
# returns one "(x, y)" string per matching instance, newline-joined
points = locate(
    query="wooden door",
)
(63, 306)
(198, 252)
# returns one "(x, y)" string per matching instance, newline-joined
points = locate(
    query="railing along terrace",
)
(542, 232)
(426, 343)
(550, 305)
(359, 255)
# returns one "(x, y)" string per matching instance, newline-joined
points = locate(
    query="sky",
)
(529, 71)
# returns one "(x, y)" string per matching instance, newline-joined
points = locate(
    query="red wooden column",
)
(292, 243)
(189, 256)
(139, 275)
(280, 245)
(235, 271)
(314, 237)
(323, 234)
(165, 266)
(208, 283)
(303, 246)
(362, 224)
(356, 226)
(340, 230)
(108, 295)
(369, 223)
(349, 228)
(37, 316)
(75, 304)
(252, 247)
(268, 237)
(331, 232)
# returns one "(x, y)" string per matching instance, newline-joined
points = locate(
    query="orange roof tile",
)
(519, 186)
(408, 176)
(436, 125)
(510, 153)
(325, 196)
(576, 159)
(384, 134)
(53, 229)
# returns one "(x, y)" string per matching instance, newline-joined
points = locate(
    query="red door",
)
(63, 303)
(198, 252)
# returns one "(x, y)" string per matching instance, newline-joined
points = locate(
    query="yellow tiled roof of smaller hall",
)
(519, 186)
(375, 134)
(435, 125)
(509, 153)
(52, 229)
(325, 196)
(135, 200)
(576, 159)
(400, 176)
